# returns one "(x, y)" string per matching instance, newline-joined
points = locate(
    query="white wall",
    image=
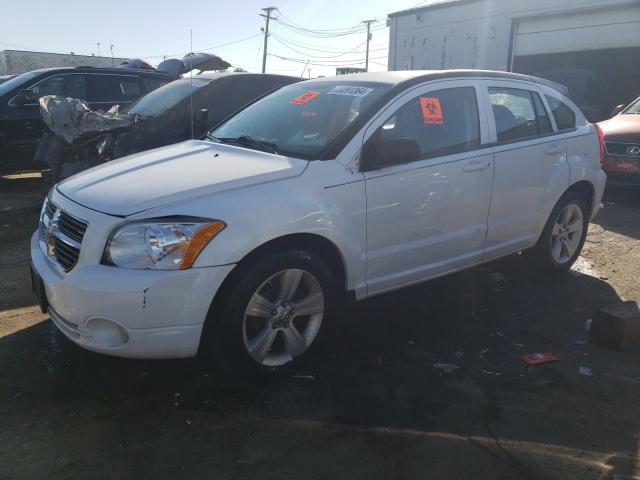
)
(473, 34)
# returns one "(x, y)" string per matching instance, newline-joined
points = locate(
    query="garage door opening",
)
(595, 52)
(598, 80)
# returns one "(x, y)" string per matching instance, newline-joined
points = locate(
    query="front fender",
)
(319, 202)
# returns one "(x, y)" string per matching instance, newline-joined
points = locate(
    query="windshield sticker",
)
(350, 91)
(431, 111)
(306, 97)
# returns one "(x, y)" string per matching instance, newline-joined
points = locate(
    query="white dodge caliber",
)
(361, 184)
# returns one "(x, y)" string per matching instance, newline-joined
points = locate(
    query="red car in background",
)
(622, 145)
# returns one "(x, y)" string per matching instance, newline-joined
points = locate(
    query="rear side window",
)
(519, 114)
(151, 83)
(442, 122)
(115, 88)
(564, 115)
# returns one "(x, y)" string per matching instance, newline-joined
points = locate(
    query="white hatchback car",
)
(362, 183)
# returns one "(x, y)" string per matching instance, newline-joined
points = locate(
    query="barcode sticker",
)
(350, 91)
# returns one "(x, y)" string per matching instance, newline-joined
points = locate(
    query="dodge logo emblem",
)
(633, 150)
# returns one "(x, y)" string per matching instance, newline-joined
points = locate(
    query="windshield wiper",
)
(247, 141)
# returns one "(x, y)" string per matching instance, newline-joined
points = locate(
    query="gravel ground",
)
(370, 405)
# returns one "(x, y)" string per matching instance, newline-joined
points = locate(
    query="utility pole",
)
(366, 59)
(267, 17)
(98, 43)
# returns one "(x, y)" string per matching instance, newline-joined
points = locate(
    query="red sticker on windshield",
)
(431, 111)
(306, 97)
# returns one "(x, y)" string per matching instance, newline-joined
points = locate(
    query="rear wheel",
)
(564, 234)
(274, 313)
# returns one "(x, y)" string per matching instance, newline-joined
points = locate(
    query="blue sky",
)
(151, 29)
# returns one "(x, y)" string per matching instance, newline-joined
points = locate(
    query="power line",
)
(314, 48)
(326, 63)
(208, 48)
(347, 52)
(321, 32)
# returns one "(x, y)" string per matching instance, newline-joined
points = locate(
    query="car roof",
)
(410, 77)
(215, 75)
(87, 69)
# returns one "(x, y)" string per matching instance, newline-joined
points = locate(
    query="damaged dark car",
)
(183, 109)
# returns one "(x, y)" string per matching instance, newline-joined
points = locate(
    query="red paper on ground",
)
(538, 358)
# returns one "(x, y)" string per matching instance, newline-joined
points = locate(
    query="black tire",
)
(540, 255)
(224, 335)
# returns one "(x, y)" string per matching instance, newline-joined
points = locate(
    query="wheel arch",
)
(586, 189)
(315, 243)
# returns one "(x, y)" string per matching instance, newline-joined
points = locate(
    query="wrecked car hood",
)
(170, 174)
(70, 118)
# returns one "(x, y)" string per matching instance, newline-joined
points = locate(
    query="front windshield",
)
(634, 107)
(20, 80)
(165, 97)
(304, 118)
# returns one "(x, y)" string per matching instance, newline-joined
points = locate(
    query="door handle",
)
(476, 165)
(554, 150)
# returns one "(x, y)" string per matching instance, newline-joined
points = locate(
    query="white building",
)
(14, 62)
(593, 47)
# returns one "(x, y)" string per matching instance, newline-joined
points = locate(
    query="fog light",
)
(106, 333)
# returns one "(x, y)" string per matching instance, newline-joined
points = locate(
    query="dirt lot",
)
(371, 405)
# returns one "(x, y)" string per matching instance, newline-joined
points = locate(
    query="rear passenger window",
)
(564, 115)
(442, 122)
(115, 88)
(518, 114)
(151, 83)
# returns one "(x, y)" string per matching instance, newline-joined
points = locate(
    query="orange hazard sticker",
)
(431, 111)
(306, 97)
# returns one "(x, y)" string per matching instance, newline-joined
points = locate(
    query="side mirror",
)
(617, 110)
(378, 153)
(25, 97)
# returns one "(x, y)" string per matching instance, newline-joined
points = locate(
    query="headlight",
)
(160, 245)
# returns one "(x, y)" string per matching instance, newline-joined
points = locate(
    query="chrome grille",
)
(62, 236)
(72, 227)
(623, 149)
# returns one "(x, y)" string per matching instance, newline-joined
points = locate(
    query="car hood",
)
(622, 128)
(170, 174)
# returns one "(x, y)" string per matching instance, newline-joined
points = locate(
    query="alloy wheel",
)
(283, 317)
(567, 233)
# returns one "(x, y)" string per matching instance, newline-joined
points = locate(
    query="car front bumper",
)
(129, 313)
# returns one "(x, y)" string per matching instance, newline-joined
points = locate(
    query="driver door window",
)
(442, 122)
(73, 86)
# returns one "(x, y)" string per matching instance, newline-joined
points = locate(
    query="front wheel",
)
(274, 313)
(564, 234)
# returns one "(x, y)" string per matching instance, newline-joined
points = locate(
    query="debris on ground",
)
(617, 326)
(538, 358)
(448, 368)
(585, 371)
